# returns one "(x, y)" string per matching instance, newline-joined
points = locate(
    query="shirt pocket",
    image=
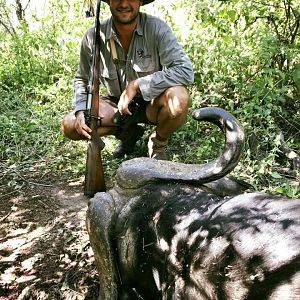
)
(109, 78)
(144, 66)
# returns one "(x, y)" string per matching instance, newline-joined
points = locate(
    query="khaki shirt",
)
(154, 58)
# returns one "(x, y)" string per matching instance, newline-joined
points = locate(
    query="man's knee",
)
(63, 126)
(177, 101)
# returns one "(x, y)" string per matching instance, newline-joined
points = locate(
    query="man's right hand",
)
(80, 125)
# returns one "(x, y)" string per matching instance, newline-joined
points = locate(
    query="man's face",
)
(125, 11)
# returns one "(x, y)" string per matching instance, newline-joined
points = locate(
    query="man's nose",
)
(124, 3)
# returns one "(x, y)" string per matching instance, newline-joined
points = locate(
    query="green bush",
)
(246, 61)
(245, 58)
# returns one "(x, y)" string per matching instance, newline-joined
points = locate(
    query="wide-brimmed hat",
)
(144, 1)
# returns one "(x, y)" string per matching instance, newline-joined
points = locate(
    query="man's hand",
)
(81, 126)
(127, 96)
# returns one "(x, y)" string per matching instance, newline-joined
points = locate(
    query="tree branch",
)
(295, 29)
(4, 15)
(289, 153)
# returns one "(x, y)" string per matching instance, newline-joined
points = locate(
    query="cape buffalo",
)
(175, 231)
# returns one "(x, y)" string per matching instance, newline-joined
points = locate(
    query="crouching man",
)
(141, 65)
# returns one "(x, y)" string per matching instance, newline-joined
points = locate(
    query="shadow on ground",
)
(44, 247)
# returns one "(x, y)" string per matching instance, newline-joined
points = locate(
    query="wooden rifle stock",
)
(94, 175)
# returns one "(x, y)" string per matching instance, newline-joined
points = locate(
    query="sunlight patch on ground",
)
(22, 242)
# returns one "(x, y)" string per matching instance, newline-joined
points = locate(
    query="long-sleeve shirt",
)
(154, 58)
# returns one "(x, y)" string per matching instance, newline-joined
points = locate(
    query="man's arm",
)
(83, 72)
(127, 96)
(80, 84)
(176, 66)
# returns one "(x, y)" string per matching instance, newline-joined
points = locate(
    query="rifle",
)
(94, 175)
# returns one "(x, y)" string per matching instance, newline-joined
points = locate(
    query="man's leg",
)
(107, 110)
(128, 138)
(68, 124)
(168, 111)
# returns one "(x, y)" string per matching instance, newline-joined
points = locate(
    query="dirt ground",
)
(45, 251)
(44, 246)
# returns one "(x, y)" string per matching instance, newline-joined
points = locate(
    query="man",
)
(151, 70)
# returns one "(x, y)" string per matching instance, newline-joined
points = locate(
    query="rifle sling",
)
(115, 60)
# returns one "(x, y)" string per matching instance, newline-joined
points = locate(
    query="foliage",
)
(246, 60)
(245, 57)
(36, 72)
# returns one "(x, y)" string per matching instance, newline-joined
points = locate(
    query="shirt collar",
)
(140, 24)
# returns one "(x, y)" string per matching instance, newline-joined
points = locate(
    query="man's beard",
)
(120, 20)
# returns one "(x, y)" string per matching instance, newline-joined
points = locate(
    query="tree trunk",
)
(20, 12)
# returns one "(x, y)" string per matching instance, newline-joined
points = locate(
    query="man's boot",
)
(128, 140)
(157, 147)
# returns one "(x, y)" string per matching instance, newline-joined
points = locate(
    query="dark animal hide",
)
(181, 242)
(176, 231)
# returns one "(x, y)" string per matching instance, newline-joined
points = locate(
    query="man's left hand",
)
(127, 96)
